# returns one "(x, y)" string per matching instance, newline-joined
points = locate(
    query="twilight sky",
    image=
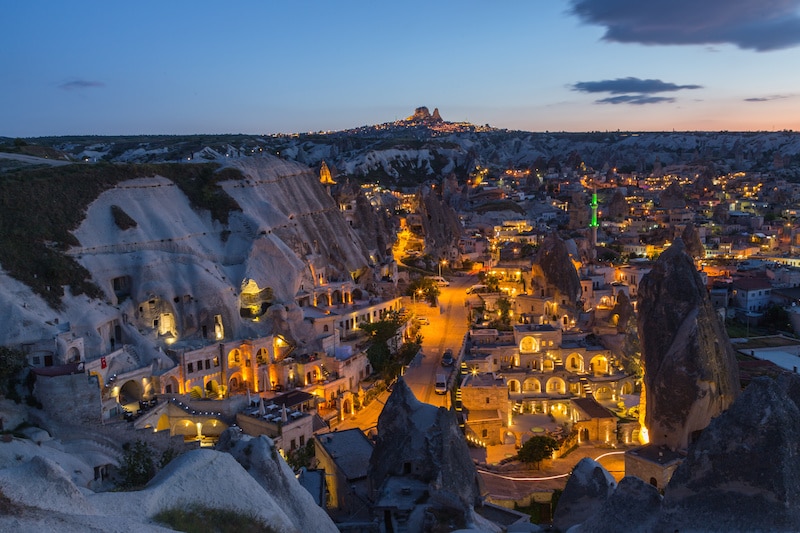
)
(179, 67)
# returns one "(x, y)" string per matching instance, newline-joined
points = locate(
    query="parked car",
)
(441, 384)
(440, 281)
(423, 320)
(477, 288)
(447, 358)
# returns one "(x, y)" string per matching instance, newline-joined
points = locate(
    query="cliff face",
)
(422, 441)
(440, 223)
(690, 368)
(177, 261)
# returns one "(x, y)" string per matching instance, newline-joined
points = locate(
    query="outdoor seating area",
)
(131, 412)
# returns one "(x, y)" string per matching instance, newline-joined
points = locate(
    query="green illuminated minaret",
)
(593, 224)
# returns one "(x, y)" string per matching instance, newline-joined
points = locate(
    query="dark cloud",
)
(629, 85)
(635, 99)
(766, 98)
(80, 84)
(633, 91)
(760, 25)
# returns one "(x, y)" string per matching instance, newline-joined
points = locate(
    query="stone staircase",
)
(133, 353)
(586, 387)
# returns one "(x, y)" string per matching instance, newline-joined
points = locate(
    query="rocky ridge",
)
(554, 263)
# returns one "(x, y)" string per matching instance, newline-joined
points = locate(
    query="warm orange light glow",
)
(644, 435)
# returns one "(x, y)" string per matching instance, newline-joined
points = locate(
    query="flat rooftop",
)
(533, 328)
(350, 449)
(786, 358)
(483, 380)
(656, 454)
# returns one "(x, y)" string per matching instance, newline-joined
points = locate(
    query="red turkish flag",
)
(103, 362)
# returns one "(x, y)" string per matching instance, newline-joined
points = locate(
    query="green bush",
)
(11, 364)
(537, 448)
(138, 466)
(202, 519)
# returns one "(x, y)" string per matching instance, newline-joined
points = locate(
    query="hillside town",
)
(592, 310)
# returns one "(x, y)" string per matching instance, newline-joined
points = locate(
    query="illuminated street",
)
(446, 330)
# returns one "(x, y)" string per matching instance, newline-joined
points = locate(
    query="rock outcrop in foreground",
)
(585, 492)
(424, 442)
(741, 475)
(690, 368)
(45, 488)
(261, 460)
(744, 473)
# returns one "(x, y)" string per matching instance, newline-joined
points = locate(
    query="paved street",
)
(448, 326)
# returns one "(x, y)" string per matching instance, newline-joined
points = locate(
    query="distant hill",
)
(425, 147)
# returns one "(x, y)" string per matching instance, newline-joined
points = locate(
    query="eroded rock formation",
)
(618, 207)
(424, 442)
(261, 460)
(632, 507)
(691, 239)
(440, 223)
(690, 368)
(584, 494)
(554, 264)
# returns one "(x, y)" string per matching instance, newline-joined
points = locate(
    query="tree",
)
(138, 466)
(777, 318)
(423, 289)
(11, 363)
(302, 457)
(384, 355)
(537, 448)
(503, 320)
(491, 281)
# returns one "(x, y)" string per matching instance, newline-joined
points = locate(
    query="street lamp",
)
(442, 262)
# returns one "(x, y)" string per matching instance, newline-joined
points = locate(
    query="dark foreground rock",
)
(584, 494)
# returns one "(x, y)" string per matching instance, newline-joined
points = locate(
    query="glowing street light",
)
(443, 262)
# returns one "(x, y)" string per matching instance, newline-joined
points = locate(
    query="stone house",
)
(289, 429)
(485, 403)
(344, 456)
